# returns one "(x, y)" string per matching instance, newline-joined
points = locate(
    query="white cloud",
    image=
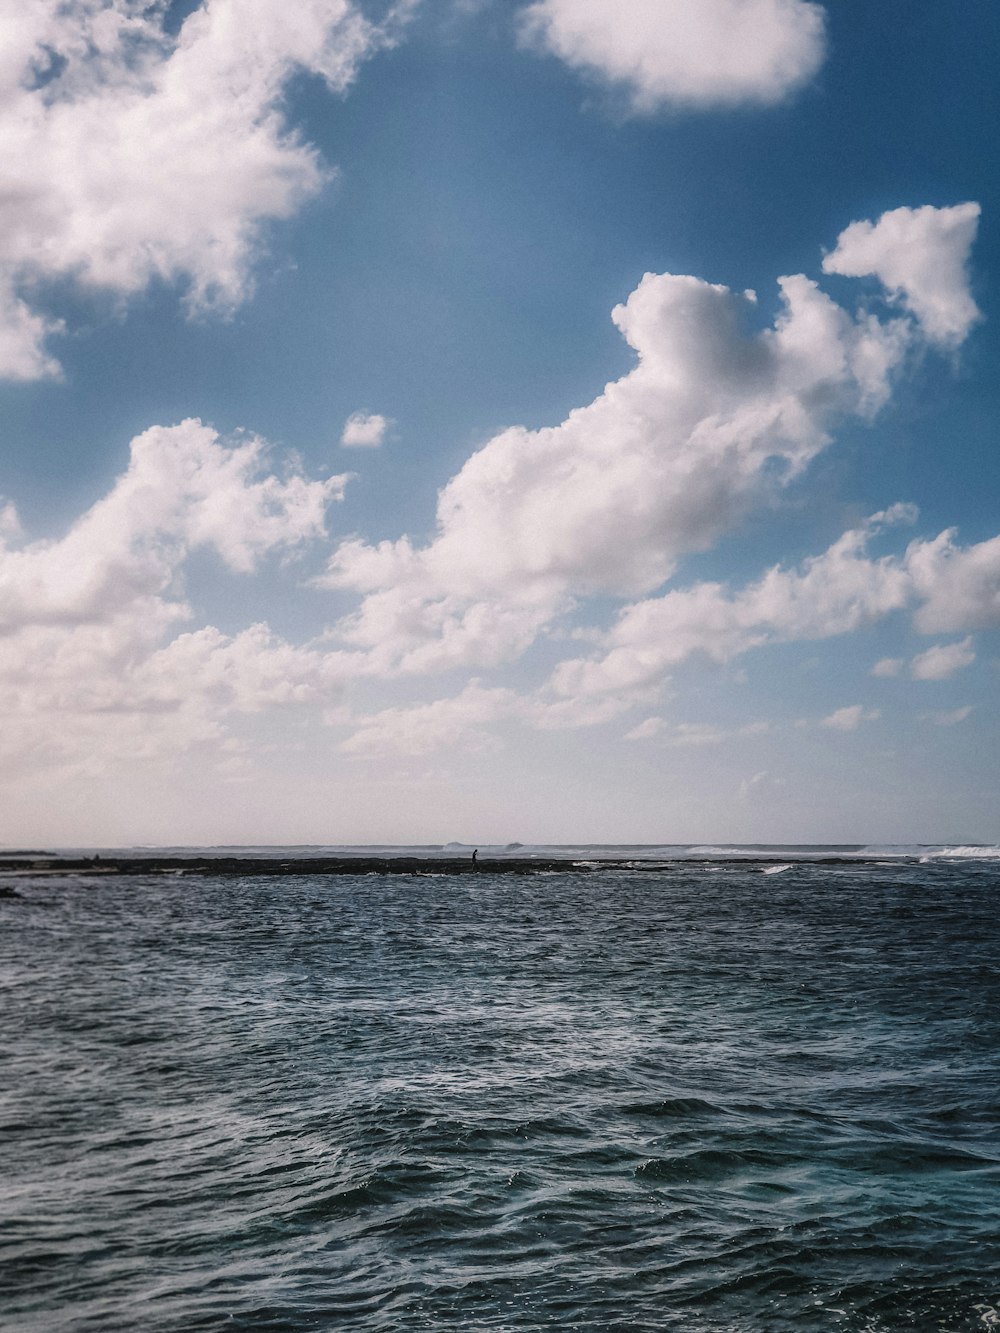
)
(129, 155)
(675, 52)
(960, 586)
(87, 666)
(363, 430)
(921, 256)
(23, 333)
(833, 593)
(946, 585)
(715, 419)
(887, 666)
(183, 489)
(850, 718)
(942, 660)
(948, 717)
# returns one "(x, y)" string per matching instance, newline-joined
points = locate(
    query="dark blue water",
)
(689, 1098)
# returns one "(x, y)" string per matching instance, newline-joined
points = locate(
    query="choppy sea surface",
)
(695, 1096)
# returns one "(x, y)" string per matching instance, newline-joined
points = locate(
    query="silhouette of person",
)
(475, 856)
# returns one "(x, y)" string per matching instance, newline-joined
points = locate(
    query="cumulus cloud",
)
(87, 663)
(850, 718)
(674, 52)
(130, 155)
(921, 257)
(715, 418)
(960, 585)
(887, 667)
(831, 594)
(942, 660)
(183, 489)
(363, 430)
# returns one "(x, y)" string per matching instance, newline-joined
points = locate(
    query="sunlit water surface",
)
(692, 1098)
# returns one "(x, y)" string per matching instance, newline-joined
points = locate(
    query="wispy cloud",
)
(948, 717)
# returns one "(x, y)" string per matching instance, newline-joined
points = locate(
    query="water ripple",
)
(621, 1101)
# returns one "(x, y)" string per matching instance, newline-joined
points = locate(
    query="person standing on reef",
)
(475, 856)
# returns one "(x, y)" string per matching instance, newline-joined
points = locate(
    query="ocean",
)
(695, 1089)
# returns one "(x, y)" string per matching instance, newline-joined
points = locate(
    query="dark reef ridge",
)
(275, 866)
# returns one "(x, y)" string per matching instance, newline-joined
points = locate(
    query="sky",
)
(492, 420)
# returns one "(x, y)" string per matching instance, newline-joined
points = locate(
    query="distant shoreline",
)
(273, 866)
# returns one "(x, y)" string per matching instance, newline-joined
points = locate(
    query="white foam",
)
(968, 852)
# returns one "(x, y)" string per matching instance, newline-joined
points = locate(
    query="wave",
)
(971, 852)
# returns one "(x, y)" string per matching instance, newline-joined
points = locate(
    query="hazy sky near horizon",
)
(492, 420)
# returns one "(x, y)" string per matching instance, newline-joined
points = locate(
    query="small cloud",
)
(943, 660)
(948, 717)
(899, 513)
(850, 718)
(693, 733)
(887, 666)
(645, 729)
(364, 430)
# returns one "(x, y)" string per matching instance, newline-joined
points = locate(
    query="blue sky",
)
(748, 590)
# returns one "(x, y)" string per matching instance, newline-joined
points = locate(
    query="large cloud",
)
(677, 52)
(715, 418)
(921, 256)
(835, 593)
(128, 155)
(183, 489)
(87, 666)
(838, 592)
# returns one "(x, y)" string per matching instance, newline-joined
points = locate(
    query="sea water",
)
(694, 1096)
